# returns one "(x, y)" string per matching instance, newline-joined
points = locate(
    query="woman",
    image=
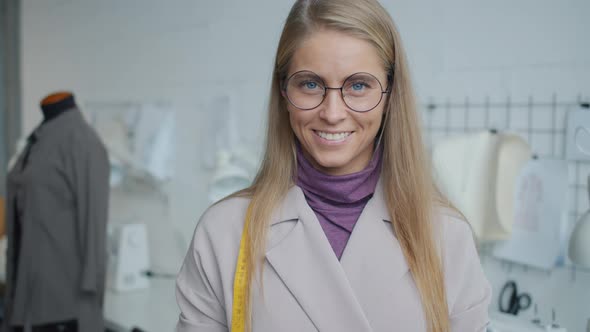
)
(346, 230)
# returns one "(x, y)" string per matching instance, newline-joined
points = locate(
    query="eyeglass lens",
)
(361, 92)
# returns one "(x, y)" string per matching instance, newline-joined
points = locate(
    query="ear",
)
(390, 78)
(282, 87)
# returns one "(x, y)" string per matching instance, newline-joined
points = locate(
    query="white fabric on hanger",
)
(477, 172)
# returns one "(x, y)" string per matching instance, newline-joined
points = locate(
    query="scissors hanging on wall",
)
(511, 302)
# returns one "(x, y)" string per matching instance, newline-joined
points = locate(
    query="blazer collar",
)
(302, 257)
(289, 207)
(289, 211)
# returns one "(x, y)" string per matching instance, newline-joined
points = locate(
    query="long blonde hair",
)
(409, 190)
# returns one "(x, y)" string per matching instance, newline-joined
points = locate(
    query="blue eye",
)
(311, 85)
(358, 86)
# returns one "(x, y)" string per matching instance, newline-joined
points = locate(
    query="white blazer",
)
(306, 288)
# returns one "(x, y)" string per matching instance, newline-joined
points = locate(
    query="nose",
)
(333, 109)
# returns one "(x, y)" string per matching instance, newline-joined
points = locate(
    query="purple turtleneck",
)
(337, 200)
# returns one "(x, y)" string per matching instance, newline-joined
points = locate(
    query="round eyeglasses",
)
(361, 92)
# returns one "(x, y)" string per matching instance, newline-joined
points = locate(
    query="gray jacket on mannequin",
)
(57, 210)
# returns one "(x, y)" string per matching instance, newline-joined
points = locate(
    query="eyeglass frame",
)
(286, 95)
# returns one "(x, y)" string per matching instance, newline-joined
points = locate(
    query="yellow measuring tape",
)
(238, 318)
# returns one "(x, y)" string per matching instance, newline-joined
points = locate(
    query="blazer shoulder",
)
(223, 219)
(452, 225)
(84, 139)
(205, 280)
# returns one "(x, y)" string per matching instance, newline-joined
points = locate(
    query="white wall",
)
(186, 51)
(176, 51)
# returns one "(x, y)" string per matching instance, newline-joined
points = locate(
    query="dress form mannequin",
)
(56, 103)
(57, 208)
(52, 106)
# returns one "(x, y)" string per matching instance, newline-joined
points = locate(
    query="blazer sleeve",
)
(469, 292)
(199, 289)
(91, 180)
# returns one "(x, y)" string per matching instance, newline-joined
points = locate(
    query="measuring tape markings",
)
(240, 279)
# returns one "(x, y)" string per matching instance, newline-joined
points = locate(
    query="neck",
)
(53, 109)
(339, 189)
(337, 200)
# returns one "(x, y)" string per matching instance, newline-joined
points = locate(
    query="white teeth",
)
(333, 137)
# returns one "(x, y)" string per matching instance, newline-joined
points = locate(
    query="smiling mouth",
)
(333, 136)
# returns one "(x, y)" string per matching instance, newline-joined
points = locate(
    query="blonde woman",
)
(346, 230)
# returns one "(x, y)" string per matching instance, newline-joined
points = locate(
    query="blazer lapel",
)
(373, 261)
(307, 265)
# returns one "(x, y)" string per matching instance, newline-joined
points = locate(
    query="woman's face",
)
(336, 139)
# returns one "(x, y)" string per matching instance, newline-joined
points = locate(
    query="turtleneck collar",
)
(338, 201)
(338, 190)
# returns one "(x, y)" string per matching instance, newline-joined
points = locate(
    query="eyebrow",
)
(322, 77)
(341, 80)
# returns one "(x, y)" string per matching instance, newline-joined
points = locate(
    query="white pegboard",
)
(565, 290)
(540, 123)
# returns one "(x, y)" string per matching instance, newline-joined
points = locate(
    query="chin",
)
(332, 163)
